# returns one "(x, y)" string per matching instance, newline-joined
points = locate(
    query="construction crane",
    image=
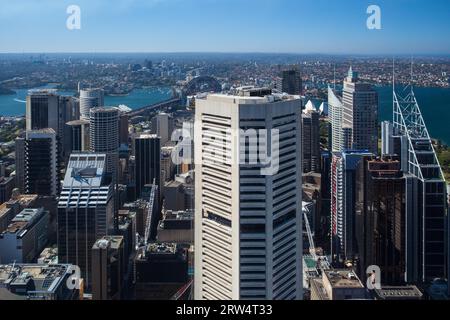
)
(185, 291)
(148, 223)
(322, 262)
(312, 247)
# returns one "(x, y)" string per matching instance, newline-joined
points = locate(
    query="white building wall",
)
(238, 254)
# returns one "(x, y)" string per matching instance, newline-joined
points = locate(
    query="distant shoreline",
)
(7, 92)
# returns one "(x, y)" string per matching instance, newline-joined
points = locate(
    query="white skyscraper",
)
(360, 113)
(248, 225)
(336, 110)
(90, 98)
(104, 136)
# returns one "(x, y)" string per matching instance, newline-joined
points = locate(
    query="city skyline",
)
(225, 150)
(179, 26)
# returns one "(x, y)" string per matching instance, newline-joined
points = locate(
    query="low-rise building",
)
(25, 237)
(161, 271)
(177, 227)
(108, 268)
(48, 256)
(337, 285)
(398, 293)
(38, 282)
(11, 208)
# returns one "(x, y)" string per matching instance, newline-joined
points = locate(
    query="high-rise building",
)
(336, 110)
(248, 224)
(89, 99)
(41, 163)
(427, 243)
(147, 150)
(20, 163)
(124, 128)
(343, 193)
(311, 141)
(78, 136)
(290, 82)
(104, 136)
(46, 109)
(108, 268)
(167, 165)
(381, 213)
(43, 110)
(360, 113)
(70, 109)
(162, 126)
(85, 210)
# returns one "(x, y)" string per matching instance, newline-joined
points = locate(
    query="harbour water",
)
(14, 105)
(434, 104)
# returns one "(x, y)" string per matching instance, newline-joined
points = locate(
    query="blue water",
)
(434, 104)
(14, 105)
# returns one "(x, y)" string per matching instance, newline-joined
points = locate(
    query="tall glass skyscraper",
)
(41, 163)
(147, 151)
(427, 244)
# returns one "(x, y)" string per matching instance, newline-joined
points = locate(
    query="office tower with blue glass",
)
(427, 241)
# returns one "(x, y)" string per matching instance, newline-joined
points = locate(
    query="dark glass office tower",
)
(290, 82)
(42, 110)
(41, 164)
(427, 242)
(147, 150)
(85, 210)
(46, 109)
(311, 141)
(381, 213)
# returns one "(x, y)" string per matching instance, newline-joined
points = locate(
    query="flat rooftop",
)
(113, 242)
(396, 293)
(46, 278)
(4, 209)
(272, 98)
(24, 220)
(78, 122)
(43, 92)
(343, 279)
(250, 95)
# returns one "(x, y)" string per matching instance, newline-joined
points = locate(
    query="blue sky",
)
(291, 26)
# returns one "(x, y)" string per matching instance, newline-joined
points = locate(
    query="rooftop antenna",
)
(412, 72)
(393, 74)
(334, 81)
(393, 88)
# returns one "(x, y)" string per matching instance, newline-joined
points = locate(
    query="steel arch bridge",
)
(202, 84)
